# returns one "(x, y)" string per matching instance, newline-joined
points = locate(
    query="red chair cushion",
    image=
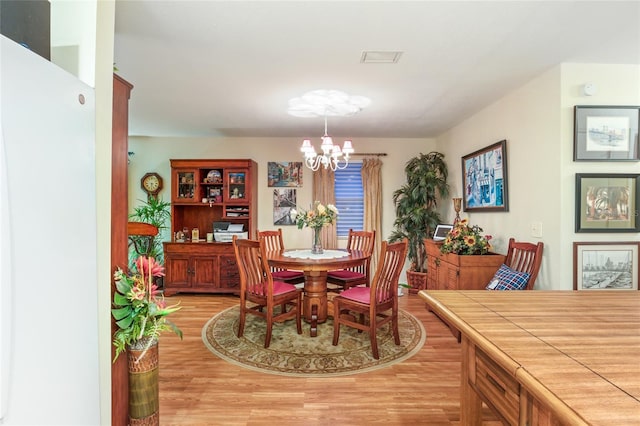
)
(357, 294)
(279, 287)
(345, 275)
(283, 275)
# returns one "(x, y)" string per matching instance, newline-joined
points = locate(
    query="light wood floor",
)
(198, 388)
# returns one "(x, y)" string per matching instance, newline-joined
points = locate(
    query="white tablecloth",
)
(306, 254)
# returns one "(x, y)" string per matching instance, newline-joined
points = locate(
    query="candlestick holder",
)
(457, 206)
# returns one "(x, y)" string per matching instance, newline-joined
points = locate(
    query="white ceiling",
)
(228, 68)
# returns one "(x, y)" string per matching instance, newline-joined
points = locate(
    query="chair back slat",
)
(384, 286)
(272, 240)
(362, 241)
(525, 257)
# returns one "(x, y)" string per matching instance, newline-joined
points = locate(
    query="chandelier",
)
(331, 154)
(324, 103)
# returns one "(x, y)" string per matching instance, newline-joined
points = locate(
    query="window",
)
(349, 199)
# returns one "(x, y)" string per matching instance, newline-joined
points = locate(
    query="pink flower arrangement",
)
(139, 307)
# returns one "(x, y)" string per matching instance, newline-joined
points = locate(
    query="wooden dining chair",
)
(260, 294)
(273, 242)
(344, 279)
(379, 302)
(525, 257)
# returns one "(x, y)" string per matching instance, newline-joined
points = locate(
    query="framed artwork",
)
(284, 200)
(607, 202)
(284, 174)
(606, 133)
(484, 179)
(606, 266)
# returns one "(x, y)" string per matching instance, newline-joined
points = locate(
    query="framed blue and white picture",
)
(484, 179)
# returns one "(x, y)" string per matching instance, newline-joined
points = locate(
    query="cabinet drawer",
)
(497, 388)
(228, 265)
(229, 274)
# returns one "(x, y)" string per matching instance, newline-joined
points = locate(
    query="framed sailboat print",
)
(605, 265)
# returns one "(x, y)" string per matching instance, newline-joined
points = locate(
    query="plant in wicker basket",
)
(416, 205)
(141, 313)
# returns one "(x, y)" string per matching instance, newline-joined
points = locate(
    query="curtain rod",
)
(371, 154)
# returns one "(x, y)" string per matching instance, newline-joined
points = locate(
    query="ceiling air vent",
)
(380, 57)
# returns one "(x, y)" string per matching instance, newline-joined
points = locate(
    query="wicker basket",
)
(144, 398)
(417, 281)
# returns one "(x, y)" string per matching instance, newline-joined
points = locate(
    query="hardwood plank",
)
(198, 388)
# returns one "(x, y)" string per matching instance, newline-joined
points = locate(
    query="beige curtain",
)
(372, 191)
(324, 191)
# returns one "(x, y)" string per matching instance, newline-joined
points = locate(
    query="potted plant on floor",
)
(140, 312)
(416, 216)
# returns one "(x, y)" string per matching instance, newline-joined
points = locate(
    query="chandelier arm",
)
(337, 166)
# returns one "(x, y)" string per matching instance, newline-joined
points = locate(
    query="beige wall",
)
(535, 119)
(153, 155)
(537, 122)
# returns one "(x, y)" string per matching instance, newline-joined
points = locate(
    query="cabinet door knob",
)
(437, 262)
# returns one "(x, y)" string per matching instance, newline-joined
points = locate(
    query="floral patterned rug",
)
(291, 354)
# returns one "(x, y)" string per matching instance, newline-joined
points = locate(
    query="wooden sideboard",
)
(200, 268)
(546, 357)
(459, 272)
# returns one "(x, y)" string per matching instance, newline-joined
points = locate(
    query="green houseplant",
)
(156, 212)
(415, 203)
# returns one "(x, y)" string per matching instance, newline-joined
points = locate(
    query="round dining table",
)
(315, 268)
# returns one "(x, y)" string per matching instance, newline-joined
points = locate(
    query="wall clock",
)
(151, 184)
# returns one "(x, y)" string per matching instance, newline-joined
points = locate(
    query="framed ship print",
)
(605, 265)
(606, 133)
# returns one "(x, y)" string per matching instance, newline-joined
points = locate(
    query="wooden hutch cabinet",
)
(459, 272)
(204, 192)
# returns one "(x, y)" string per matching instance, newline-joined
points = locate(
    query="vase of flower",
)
(140, 312)
(319, 216)
(464, 239)
(316, 247)
(144, 395)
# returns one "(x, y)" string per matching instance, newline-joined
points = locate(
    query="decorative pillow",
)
(508, 279)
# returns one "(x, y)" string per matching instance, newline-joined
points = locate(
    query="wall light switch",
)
(536, 229)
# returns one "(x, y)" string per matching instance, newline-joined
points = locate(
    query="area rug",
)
(291, 354)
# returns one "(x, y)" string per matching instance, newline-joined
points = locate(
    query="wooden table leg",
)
(470, 402)
(315, 299)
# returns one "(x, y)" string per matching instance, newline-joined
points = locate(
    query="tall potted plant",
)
(140, 312)
(416, 216)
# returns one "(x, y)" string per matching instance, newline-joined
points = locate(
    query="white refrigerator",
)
(48, 297)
